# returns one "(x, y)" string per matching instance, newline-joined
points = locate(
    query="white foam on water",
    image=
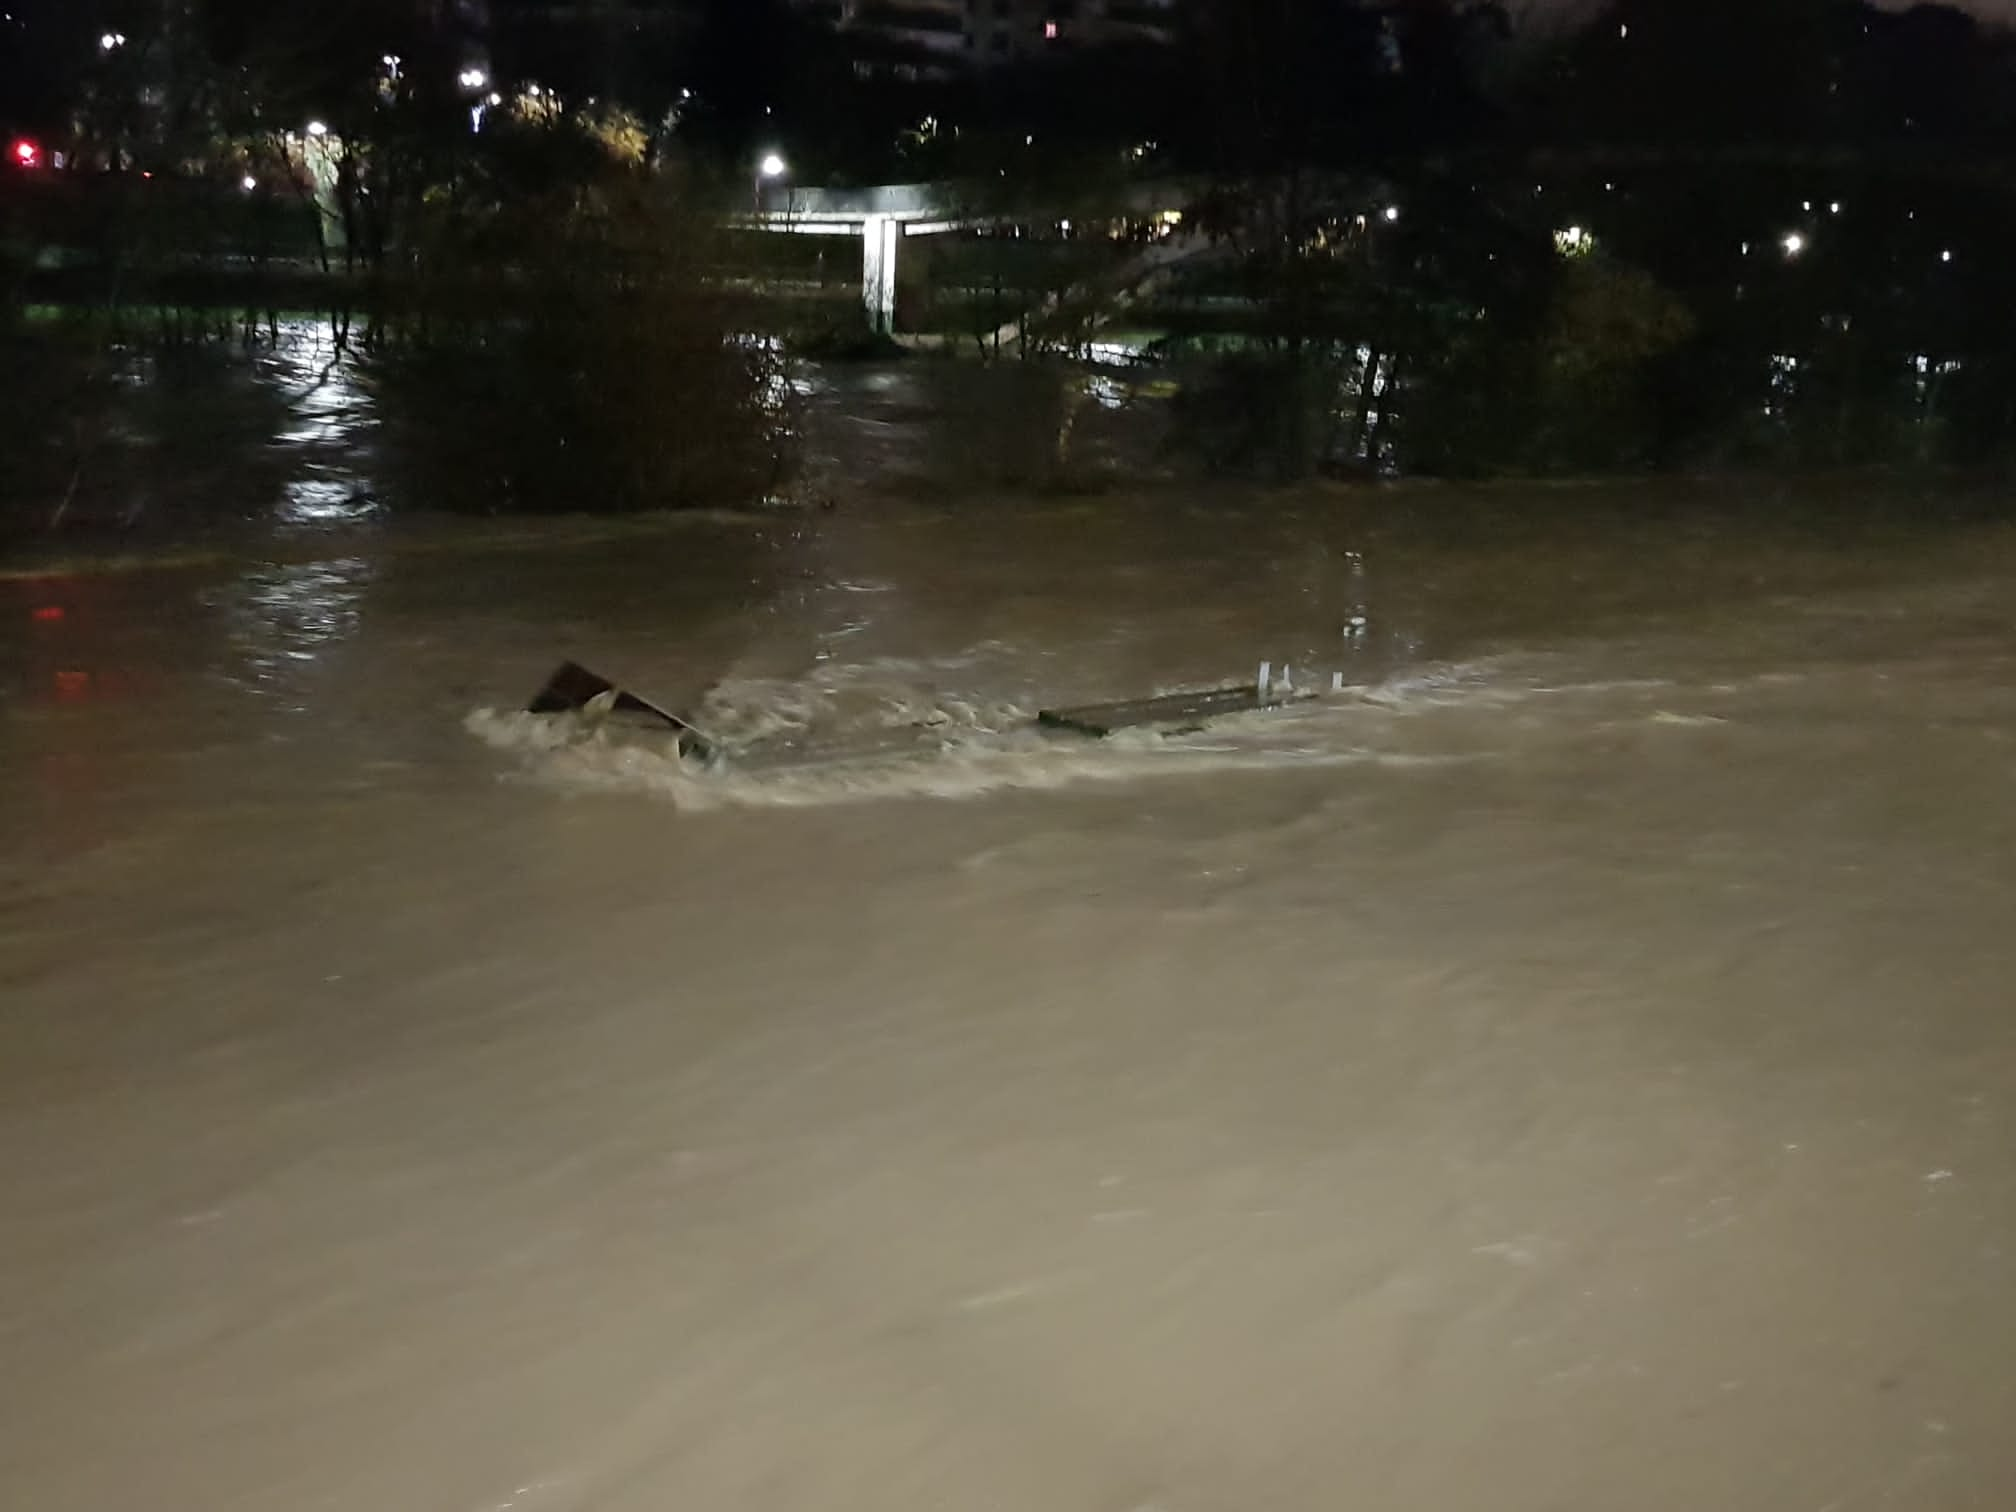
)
(557, 752)
(880, 730)
(862, 734)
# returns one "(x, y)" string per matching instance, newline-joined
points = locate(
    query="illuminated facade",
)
(947, 35)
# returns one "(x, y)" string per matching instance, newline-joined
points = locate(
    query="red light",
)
(26, 154)
(48, 614)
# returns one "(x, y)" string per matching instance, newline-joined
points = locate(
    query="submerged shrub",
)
(563, 351)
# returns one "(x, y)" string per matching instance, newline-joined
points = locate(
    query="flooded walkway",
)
(1573, 1070)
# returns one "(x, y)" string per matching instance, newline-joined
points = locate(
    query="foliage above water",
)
(561, 350)
(530, 301)
(1388, 237)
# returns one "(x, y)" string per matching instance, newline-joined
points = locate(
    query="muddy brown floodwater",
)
(1574, 1069)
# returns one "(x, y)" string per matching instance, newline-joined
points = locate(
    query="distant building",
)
(1151, 23)
(1021, 30)
(941, 37)
(932, 33)
(1006, 31)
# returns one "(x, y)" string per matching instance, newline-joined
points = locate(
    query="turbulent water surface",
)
(1570, 1069)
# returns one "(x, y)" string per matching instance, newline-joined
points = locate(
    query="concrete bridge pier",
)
(881, 240)
(882, 217)
(885, 216)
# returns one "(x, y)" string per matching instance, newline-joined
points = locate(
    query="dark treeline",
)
(1420, 235)
(524, 280)
(1683, 232)
(1689, 232)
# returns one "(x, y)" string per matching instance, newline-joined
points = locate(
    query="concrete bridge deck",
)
(883, 215)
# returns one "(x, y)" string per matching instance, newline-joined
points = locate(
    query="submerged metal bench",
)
(1181, 712)
(573, 689)
(1177, 710)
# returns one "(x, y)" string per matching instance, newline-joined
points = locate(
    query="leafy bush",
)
(562, 352)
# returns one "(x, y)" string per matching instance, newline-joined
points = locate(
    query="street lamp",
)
(770, 166)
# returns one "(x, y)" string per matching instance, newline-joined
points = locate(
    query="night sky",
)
(1994, 10)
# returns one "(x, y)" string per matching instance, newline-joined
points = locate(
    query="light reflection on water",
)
(293, 442)
(285, 619)
(328, 435)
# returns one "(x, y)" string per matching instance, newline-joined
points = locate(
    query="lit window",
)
(1049, 31)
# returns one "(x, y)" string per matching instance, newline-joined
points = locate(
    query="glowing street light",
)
(473, 78)
(1794, 243)
(1392, 214)
(771, 166)
(248, 183)
(1946, 257)
(318, 128)
(111, 42)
